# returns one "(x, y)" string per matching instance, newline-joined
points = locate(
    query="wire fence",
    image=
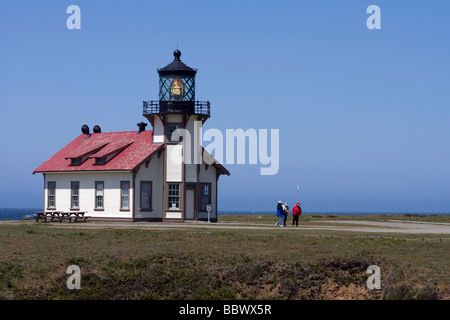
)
(44, 233)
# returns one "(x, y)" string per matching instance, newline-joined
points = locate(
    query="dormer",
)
(107, 153)
(78, 157)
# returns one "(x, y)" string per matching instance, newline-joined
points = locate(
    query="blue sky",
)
(363, 114)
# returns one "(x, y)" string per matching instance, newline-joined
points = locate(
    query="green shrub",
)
(9, 272)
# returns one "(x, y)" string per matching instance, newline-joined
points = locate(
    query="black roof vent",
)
(85, 130)
(97, 129)
(141, 126)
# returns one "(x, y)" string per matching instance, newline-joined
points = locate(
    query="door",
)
(190, 201)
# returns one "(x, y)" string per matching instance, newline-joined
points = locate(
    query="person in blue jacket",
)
(280, 214)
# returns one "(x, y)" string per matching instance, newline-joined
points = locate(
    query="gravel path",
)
(391, 226)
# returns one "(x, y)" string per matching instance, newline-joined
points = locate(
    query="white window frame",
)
(172, 194)
(99, 195)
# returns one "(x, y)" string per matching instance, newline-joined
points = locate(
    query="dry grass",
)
(132, 263)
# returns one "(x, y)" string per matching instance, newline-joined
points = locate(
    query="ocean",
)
(20, 213)
(16, 213)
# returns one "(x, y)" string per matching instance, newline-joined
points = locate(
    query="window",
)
(74, 201)
(51, 187)
(99, 187)
(173, 134)
(177, 89)
(75, 161)
(205, 195)
(125, 195)
(174, 196)
(146, 195)
(100, 160)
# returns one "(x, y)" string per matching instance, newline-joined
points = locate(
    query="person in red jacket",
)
(296, 212)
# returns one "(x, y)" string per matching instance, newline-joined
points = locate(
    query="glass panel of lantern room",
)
(164, 87)
(189, 89)
(176, 89)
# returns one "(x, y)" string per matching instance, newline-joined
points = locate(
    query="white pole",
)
(208, 208)
(298, 190)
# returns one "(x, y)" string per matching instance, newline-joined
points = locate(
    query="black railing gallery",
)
(199, 107)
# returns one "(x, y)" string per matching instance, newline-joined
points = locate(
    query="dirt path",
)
(392, 226)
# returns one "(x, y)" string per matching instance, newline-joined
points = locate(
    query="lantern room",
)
(177, 91)
(177, 81)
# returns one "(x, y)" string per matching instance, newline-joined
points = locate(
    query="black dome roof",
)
(177, 68)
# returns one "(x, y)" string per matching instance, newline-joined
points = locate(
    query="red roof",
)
(111, 148)
(137, 147)
(86, 149)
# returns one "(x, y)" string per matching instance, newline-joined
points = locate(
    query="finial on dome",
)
(177, 54)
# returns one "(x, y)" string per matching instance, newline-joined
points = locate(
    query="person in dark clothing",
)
(280, 214)
(285, 213)
(296, 213)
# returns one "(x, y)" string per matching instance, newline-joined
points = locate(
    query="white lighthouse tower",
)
(189, 184)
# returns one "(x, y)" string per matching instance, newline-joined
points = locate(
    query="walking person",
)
(285, 213)
(280, 214)
(296, 213)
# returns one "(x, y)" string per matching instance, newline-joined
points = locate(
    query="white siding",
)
(112, 194)
(192, 152)
(209, 176)
(158, 131)
(191, 172)
(153, 173)
(173, 214)
(174, 163)
(174, 118)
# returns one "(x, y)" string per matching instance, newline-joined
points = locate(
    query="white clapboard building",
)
(143, 175)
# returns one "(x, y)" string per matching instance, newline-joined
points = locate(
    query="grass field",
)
(202, 264)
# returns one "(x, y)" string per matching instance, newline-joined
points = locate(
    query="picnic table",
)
(49, 214)
(59, 215)
(77, 215)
